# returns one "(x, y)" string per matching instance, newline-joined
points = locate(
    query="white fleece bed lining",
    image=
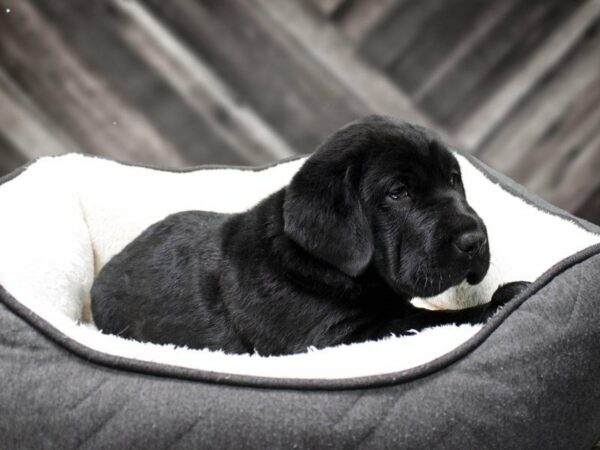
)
(65, 217)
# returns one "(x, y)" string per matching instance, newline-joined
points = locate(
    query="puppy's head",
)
(385, 193)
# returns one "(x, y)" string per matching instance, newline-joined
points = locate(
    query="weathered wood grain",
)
(576, 181)
(265, 67)
(200, 88)
(358, 17)
(27, 131)
(248, 81)
(93, 32)
(492, 61)
(590, 210)
(564, 140)
(329, 47)
(440, 34)
(539, 116)
(441, 63)
(551, 142)
(41, 63)
(396, 30)
(10, 156)
(329, 7)
(482, 122)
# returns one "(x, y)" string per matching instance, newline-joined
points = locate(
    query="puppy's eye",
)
(454, 179)
(398, 192)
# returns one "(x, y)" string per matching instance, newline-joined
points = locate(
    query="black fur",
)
(376, 216)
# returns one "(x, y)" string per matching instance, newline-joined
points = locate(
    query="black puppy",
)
(376, 216)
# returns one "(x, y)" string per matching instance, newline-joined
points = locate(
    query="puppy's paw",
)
(508, 291)
(501, 297)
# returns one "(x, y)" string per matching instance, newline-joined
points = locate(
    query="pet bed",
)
(529, 378)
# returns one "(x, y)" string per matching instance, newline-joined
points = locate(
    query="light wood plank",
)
(39, 60)
(92, 32)
(200, 88)
(28, 131)
(264, 65)
(358, 18)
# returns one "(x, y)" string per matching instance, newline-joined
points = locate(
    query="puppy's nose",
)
(471, 242)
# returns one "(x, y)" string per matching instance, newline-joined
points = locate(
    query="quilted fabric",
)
(531, 383)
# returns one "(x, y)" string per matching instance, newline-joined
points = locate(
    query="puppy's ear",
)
(322, 209)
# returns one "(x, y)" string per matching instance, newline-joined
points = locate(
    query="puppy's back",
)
(175, 261)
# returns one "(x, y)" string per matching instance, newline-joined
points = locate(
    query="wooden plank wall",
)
(189, 82)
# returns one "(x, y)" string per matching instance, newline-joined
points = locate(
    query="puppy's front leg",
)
(419, 319)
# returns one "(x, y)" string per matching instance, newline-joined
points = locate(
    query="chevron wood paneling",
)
(189, 82)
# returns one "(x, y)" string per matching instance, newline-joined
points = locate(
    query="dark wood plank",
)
(395, 31)
(590, 208)
(442, 34)
(337, 56)
(286, 85)
(570, 185)
(329, 7)
(563, 140)
(551, 143)
(499, 106)
(494, 59)
(10, 156)
(536, 134)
